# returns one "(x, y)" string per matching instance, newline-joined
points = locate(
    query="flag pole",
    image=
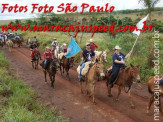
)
(133, 46)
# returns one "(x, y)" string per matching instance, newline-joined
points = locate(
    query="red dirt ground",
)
(75, 106)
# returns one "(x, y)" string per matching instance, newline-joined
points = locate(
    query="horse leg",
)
(119, 92)
(35, 64)
(150, 103)
(45, 75)
(86, 83)
(81, 87)
(160, 107)
(52, 81)
(93, 93)
(61, 69)
(131, 102)
(109, 91)
(32, 64)
(67, 69)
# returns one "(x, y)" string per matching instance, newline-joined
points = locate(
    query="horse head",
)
(55, 63)
(135, 73)
(100, 68)
(104, 56)
(36, 55)
(71, 61)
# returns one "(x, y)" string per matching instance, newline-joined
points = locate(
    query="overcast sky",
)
(119, 5)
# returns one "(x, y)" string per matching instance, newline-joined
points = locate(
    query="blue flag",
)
(73, 48)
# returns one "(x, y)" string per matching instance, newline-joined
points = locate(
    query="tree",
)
(150, 4)
(17, 21)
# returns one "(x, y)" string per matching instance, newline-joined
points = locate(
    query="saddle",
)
(84, 76)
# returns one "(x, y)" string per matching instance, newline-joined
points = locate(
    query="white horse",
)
(9, 44)
(104, 55)
(56, 52)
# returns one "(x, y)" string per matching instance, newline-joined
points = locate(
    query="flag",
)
(73, 48)
(139, 26)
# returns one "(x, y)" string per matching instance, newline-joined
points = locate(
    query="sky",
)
(119, 5)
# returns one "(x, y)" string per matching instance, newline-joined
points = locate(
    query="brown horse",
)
(35, 60)
(17, 41)
(153, 85)
(124, 79)
(91, 78)
(51, 69)
(66, 64)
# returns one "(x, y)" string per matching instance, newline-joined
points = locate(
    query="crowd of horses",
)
(125, 78)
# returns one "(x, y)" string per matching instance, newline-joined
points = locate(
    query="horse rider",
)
(17, 36)
(54, 44)
(118, 62)
(28, 41)
(93, 45)
(35, 41)
(88, 55)
(47, 55)
(64, 48)
(33, 52)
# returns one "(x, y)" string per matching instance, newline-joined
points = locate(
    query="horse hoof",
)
(132, 107)
(110, 95)
(82, 92)
(94, 103)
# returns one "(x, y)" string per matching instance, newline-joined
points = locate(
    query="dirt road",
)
(74, 105)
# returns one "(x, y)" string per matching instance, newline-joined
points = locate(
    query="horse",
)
(91, 78)
(125, 78)
(17, 41)
(35, 60)
(1, 42)
(51, 69)
(153, 85)
(55, 52)
(101, 54)
(9, 44)
(66, 63)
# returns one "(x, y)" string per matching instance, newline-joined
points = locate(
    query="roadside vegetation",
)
(18, 103)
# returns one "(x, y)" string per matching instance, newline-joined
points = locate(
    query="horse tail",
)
(149, 85)
(149, 90)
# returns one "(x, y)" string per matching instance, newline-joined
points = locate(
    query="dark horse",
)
(17, 41)
(51, 69)
(35, 60)
(125, 79)
(66, 64)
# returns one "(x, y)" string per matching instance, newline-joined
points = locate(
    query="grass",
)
(18, 102)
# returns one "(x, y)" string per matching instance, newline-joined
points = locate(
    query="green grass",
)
(18, 102)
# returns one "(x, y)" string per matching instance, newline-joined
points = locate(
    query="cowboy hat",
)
(87, 43)
(47, 48)
(54, 38)
(91, 40)
(116, 47)
(64, 44)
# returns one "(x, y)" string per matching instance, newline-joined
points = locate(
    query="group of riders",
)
(88, 54)
(8, 36)
(48, 53)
